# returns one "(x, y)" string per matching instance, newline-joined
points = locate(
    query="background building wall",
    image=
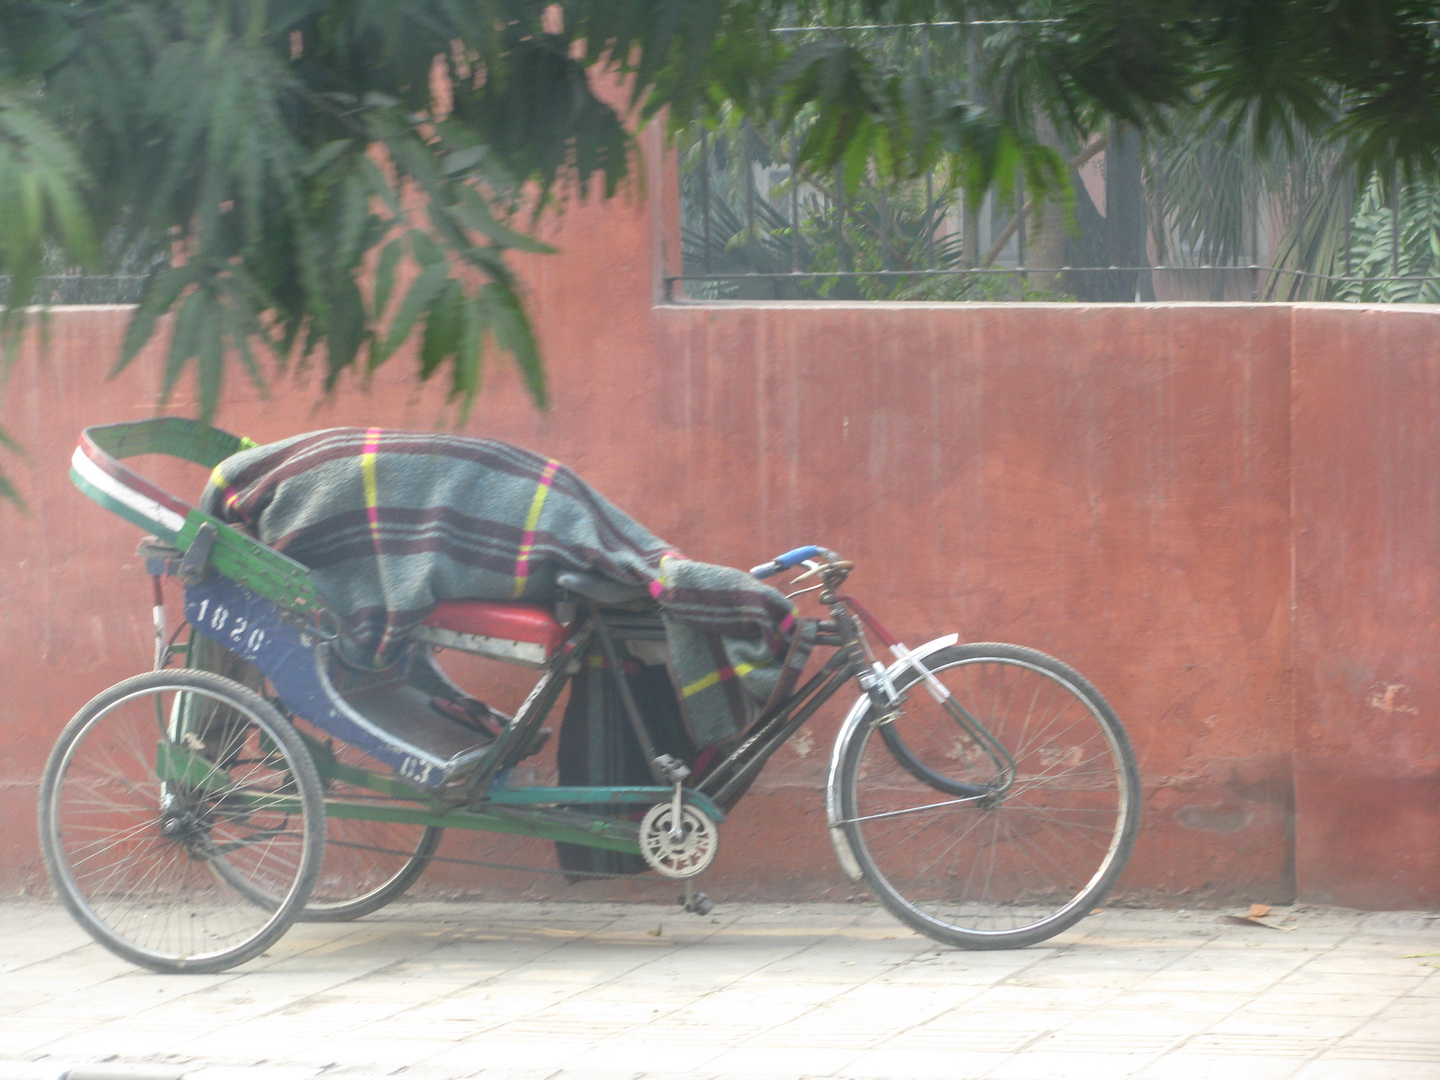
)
(1223, 514)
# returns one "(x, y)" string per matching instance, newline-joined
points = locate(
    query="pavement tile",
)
(381, 1055)
(1141, 999)
(1286, 1003)
(1353, 963)
(244, 1044)
(1246, 1024)
(1413, 1046)
(477, 1055)
(1225, 981)
(775, 1061)
(1349, 1069)
(17, 1069)
(646, 1058)
(266, 1073)
(1324, 982)
(443, 991)
(1261, 1044)
(17, 1041)
(968, 1021)
(1066, 1065)
(1409, 1006)
(1113, 1021)
(119, 1040)
(1429, 988)
(1417, 1035)
(892, 1061)
(1010, 996)
(1195, 1066)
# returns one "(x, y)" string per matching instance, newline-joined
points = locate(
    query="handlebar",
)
(784, 562)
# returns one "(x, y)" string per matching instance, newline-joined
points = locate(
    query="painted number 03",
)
(216, 619)
(414, 769)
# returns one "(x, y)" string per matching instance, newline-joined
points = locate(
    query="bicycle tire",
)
(1000, 871)
(368, 863)
(131, 853)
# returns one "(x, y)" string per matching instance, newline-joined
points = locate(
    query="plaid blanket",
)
(390, 523)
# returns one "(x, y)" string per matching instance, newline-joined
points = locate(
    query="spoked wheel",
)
(163, 791)
(991, 845)
(368, 862)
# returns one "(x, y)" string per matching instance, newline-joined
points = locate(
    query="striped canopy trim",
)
(113, 480)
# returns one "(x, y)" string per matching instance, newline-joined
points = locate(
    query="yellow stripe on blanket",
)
(532, 522)
(707, 681)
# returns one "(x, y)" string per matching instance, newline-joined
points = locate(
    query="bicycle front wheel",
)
(991, 845)
(163, 792)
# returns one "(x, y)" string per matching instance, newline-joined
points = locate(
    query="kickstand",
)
(697, 902)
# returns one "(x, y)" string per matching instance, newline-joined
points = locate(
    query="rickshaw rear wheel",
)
(161, 791)
(369, 862)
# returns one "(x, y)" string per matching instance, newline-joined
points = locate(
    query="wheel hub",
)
(178, 824)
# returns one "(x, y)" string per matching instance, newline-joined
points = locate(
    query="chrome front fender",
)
(848, 862)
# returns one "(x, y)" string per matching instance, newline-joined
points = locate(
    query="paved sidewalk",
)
(434, 991)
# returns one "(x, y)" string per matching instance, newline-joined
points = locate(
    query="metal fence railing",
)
(1189, 215)
(83, 289)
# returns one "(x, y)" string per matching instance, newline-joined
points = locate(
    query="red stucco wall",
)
(1367, 591)
(1221, 513)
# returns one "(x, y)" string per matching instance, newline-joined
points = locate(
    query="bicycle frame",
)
(483, 801)
(529, 810)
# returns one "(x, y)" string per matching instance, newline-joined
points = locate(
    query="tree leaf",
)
(513, 333)
(422, 291)
(161, 291)
(385, 277)
(442, 328)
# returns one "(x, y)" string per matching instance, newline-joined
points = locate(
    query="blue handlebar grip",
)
(797, 556)
(784, 562)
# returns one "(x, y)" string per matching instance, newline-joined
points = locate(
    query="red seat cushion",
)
(509, 622)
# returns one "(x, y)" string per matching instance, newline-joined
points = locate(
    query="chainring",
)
(681, 856)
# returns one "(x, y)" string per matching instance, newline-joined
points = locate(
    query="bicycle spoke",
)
(1013, 866)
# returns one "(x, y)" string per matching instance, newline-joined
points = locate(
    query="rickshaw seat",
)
(507, 622)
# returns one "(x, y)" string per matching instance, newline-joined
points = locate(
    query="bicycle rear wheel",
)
(368, 861)
(1001, 870)
(161, 791)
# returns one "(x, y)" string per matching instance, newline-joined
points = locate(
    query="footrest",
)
(407, 714)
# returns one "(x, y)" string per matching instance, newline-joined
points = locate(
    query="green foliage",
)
(900, 230)
(41, 190)
(1395, 233)
(276, 146)
(336, 176)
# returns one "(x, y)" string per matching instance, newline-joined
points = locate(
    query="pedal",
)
(475, 715)
(697, 903)
(483, 720)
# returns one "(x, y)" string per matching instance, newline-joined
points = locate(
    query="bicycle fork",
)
(993, 747)
(879, 683)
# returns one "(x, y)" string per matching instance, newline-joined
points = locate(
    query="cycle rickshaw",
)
(985, 793)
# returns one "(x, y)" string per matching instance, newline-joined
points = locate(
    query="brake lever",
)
(815, 568)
